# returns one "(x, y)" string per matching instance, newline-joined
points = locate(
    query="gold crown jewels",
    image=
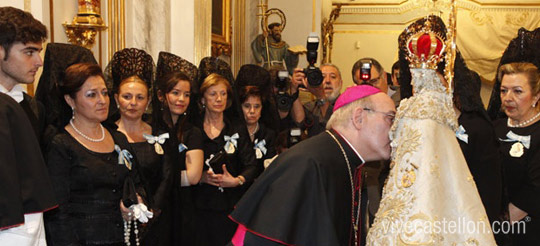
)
(425, 48)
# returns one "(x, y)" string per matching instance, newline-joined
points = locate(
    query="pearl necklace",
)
(524, 123)
(127, 231)
(87, 137)
(255, 131)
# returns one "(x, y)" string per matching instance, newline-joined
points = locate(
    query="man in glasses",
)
(309, 195)
(369, 71)
(376, 75)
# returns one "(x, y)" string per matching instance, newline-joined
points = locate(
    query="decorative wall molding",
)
(328, 35)
(203, 22)
(239, 35)
(350, 12)
(116, 16)
(221, 42)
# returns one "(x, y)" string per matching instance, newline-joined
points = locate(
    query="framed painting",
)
(221, 27)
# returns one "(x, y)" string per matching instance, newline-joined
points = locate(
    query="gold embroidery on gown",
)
(429, 187)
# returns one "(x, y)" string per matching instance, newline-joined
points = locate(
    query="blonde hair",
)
(135, 79)
(216, 79)
(530, 71)
(341, 116)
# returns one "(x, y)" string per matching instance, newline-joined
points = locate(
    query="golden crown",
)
(424, 42)
(425, 48)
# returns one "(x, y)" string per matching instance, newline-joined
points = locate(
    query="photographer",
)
(369, 71)
(318, 112)
(290, 109)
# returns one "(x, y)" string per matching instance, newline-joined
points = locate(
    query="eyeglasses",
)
(373, 81)
(389, 116)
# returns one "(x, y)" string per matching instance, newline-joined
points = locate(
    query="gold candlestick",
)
(83, 29)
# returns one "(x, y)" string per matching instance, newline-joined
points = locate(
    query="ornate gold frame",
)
(221, 43)
(86, 24)
(328, 35)
(116, 17)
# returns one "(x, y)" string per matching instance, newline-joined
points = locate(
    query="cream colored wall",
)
(39, 9)
(182, 23)
(349, 46)
(484, 29)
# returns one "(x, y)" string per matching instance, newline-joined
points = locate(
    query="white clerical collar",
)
(16, 92)
(350, 145)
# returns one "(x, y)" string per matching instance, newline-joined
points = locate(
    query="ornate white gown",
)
(430, 197)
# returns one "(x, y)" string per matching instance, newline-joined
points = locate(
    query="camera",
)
(313, 74)
(284, 101)
(282, 80)
(295, 136)
(365, 71)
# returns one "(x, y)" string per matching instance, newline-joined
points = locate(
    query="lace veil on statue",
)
(430, 187)
(467, 83)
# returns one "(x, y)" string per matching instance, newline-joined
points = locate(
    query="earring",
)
(185, 113)
(534, 104)
(204, 105)
(73, 113)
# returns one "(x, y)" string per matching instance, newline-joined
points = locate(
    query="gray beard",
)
(335, 94)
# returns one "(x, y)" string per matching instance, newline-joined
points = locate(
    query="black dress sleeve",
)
(135, 173)
(271, 137)
(246, 156)
(484, 161)
(528, 197)
(193, 138)
(168, 169)
(59, 222)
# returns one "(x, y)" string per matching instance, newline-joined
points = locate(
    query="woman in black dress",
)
(132, 75)
(263, 138)
(230, 160)
(519, 136)
(88, 164)
(172, 98)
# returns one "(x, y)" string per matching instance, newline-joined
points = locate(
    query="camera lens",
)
(314, 76)
(284, 102)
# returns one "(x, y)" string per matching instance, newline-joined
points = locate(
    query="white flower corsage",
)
(231, 143)
(260, 148)
(516, 150)
(157, 141)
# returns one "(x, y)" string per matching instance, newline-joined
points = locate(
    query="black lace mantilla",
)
(209, 65)
(58, 57)
(168, 63)
(467, 83)
(523, 48)
(130, 62)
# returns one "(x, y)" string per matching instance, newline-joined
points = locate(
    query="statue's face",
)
(276, 33)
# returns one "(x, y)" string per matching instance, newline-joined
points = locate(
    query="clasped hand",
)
(225, 180)
(140, 212)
